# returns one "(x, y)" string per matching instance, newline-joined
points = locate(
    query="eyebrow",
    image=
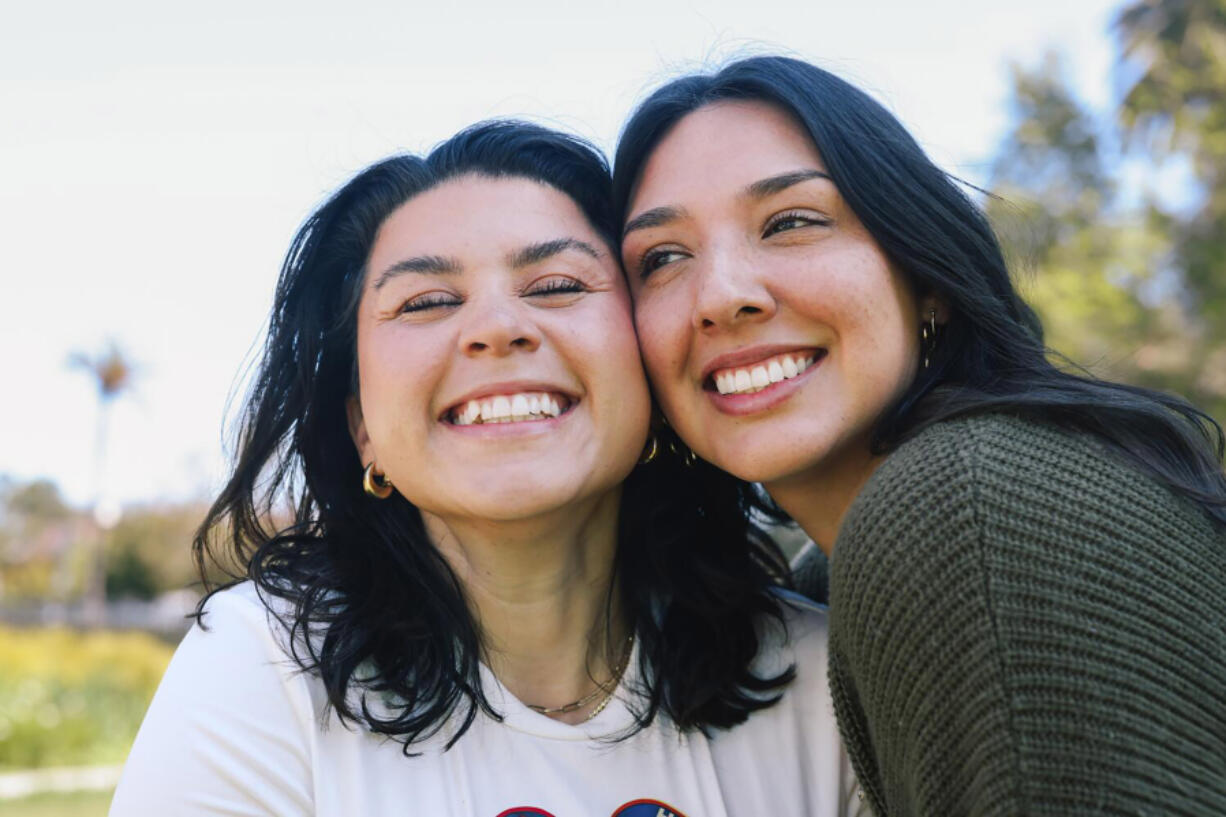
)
(774, 184)
(525, 256)
(429, 264)
(536, 253)
(659, 216)
(655, 217)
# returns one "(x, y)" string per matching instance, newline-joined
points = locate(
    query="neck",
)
(543, 595)
(818, 498)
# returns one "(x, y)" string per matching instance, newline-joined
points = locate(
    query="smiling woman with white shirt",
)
(496, 594)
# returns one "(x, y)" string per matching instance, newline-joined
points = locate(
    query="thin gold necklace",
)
(608, 688)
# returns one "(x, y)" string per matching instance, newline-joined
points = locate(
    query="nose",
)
(498, 329)
(731, 292)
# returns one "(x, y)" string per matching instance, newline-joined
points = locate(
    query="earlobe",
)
(934, 314)
(357, 429)
(934, 304)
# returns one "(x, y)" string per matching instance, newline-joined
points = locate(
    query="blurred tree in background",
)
(1128, 284)
(46, 551)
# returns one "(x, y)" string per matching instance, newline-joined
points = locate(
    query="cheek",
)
(601, 343)
(855, 295)
(874, 325)
(664, 336)
(394, 378)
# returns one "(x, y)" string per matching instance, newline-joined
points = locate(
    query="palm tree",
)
(112, 372)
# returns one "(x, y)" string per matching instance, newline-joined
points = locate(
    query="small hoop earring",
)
(683, 451)
(376, 484)
(928, 337)
(650, 451)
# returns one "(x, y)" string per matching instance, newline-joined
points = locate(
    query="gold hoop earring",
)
(650, 451)
(928, 337)
(376, 484)
(682, 451)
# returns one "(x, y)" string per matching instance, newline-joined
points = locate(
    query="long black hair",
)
(991, 355)
(370, 605)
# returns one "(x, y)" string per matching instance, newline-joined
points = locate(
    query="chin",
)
(753, 462)
(751, 470)
(513, 499)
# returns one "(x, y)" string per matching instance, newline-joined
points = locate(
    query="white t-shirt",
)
(236, 729)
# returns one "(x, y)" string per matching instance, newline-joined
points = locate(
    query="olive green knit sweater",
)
(1022, 624)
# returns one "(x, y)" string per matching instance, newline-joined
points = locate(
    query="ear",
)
(934, 303)
(357, 430)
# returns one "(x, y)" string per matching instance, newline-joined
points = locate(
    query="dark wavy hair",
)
(991, 355)
(373, 608)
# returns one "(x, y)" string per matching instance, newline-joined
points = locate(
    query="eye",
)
(556, 285)
(791, 220)
(430, 300)
(654, 259)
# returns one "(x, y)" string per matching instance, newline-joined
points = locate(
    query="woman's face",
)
(772, 325)
(499, 376)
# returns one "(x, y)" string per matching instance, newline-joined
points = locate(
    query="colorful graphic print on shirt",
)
(635, 808)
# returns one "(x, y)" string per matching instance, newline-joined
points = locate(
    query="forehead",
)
(724, 145)
(477, 216)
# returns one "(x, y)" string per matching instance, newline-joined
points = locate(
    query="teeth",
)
(756, 378)
(508, 408)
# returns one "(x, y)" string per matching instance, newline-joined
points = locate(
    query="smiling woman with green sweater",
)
(1027, 577)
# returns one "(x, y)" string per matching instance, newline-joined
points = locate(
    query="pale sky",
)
(155, 161)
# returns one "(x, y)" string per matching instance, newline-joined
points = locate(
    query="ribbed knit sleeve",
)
(1021, 624)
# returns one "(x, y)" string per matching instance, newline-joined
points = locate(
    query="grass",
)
(72, 804)
(73, 699)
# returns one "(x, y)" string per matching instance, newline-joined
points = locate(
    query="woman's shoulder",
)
(997, 464)
(239, 601)
(244, 612)
(233, 718)
(996, 441)
(1008, 503)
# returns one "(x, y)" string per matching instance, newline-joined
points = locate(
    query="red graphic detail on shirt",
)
(646, 808)
(635, 808)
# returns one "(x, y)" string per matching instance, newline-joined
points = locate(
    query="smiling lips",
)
(763, 374)
(510, 408)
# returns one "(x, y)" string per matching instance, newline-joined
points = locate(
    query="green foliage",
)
(35, 500)
(149, 551)
(129, 576)
(1130, 291)
(1175, 53)
(1178, 100)
(70, 699)
(45, 547)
